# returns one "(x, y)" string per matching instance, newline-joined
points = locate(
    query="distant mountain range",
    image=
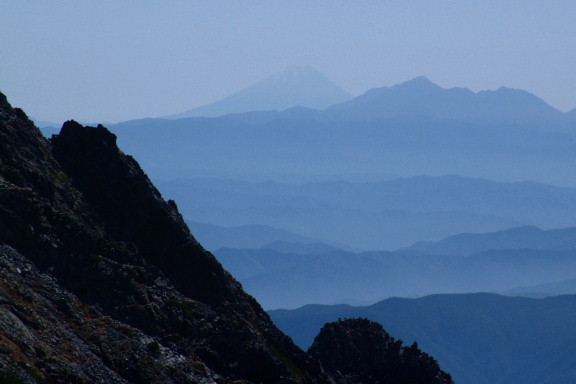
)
(263, 237)
(421, 99)
(296, 86)
(282, 149)
(562, 287)
(283, 279)
(213, 237)
(414, 128)
(304, 93)
(466, 244)
(375, 215)
(478, 338)
(257, 236)
(45, 124)
(288, 275)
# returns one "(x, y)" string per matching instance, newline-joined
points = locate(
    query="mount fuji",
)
(293, 87)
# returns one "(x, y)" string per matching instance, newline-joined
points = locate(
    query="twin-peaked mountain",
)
(420, 98)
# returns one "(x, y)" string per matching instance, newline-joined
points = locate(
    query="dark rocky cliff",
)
(103, 282)
(86, 221)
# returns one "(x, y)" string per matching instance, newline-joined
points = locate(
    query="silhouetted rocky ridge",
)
(103, 282)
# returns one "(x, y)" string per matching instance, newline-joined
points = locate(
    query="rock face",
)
(360, 351)
(102, 281)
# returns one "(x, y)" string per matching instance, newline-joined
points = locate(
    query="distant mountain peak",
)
(299, 86)
(420, 80)
(422, 98)
(510, 91)
(417, 84)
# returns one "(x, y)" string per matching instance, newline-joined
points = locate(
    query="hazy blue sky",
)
(112, 60)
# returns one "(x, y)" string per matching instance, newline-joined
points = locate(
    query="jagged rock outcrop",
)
(361, 351)
(102, 282)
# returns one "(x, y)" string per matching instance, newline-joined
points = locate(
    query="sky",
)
(115, 60)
